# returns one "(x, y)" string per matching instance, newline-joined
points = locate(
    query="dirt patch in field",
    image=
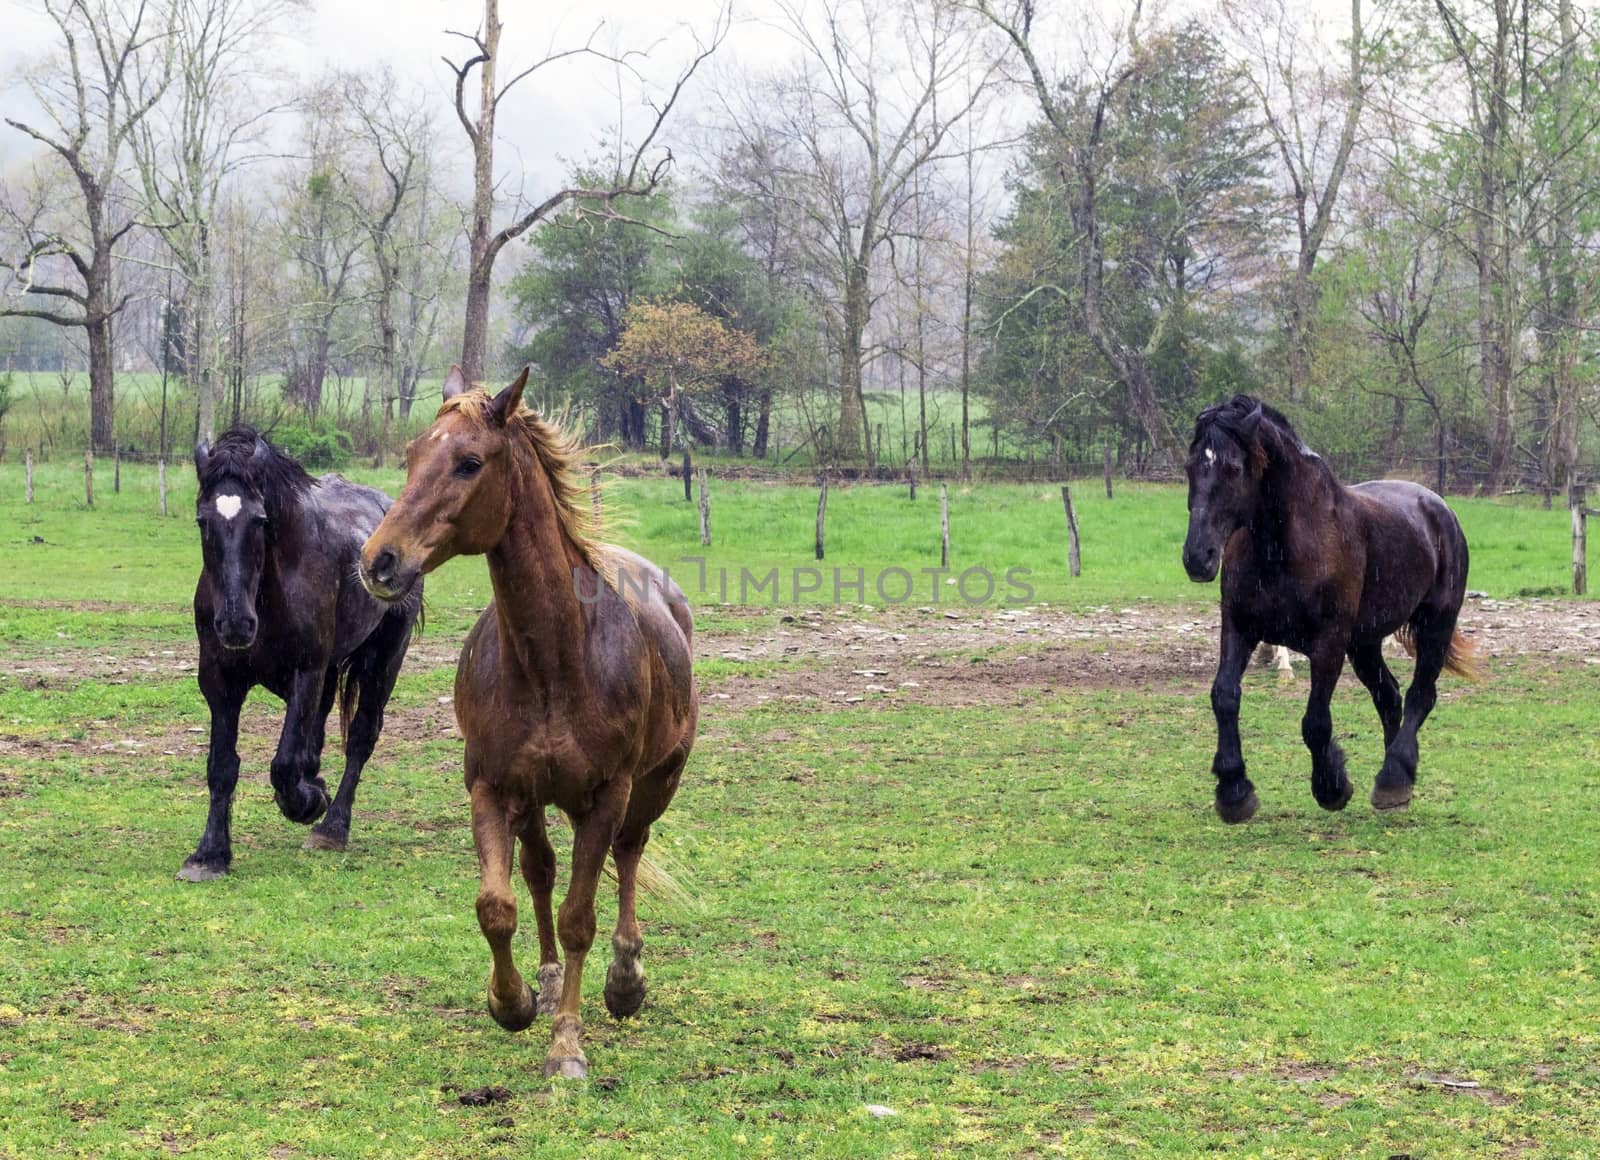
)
(835, 657)
(959, 657)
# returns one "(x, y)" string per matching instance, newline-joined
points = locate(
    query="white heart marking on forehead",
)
(228, 506)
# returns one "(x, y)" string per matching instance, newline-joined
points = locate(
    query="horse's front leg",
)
(1236, 799)
(592, 836)
(214, 855)
(296, 786)
(1329, 783)
(510, 999)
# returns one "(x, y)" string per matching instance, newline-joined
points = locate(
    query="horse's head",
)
(233, 518)
(457, 497)
(1226, 461)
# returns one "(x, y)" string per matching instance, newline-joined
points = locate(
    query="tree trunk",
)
(763, 424)
(848, 435)
(480, 270)
(102, 385)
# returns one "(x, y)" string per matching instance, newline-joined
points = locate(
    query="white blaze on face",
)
(228, 506)
(1211, 456)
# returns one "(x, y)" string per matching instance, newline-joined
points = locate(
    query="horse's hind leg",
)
(1329, 784)
(592, 836)
(510, 999)
(539, 871)
(625, 984)
(373, 673)
(1392, 790)
(1366, 658)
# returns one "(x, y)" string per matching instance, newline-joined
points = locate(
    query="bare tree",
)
(1079, 129)
(324, 239)
(868, 108)
(395, 139)
(92, 107)
(635, 175)
(1313, 119)
(207, 129)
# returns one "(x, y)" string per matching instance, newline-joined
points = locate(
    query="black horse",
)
(1326, 570)
(279, 604)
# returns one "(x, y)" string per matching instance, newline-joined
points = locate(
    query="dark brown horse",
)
(1328, 571)
(574, 689)
(278, 605)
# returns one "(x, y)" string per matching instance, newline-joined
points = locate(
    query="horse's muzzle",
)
(235, 632)
(1201, 563)
(386, 578)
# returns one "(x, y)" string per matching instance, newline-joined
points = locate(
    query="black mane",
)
(1238, 420)
(238, 455)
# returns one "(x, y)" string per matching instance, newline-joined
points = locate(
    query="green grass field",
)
(1009, 915)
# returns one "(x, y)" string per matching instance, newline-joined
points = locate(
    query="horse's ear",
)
(261, 452)
(1251, 422)
(507, 401)
(202, 456)
(1250, 431)
(454, 383)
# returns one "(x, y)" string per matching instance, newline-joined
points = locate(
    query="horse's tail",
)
(347, 705)
(1460, 658)
(654, 881)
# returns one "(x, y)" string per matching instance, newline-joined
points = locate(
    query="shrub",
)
(317, 445)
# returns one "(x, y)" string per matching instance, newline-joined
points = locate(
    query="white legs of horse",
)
(1275, 654)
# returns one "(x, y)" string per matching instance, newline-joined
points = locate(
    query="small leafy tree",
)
(675, 347)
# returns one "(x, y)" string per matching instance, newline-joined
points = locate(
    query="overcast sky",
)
(559, 113)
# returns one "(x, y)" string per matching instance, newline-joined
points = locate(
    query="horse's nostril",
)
(383, 566)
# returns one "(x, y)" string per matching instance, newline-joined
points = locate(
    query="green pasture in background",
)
(123, 553)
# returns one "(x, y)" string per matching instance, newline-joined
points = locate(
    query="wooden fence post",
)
(1108, 470)
(1580, 539)
(822, 512)
(705, 511)
(27, 473)
(1074, 561)
(594, 493)
(688, 483)
(913, 474)
(944, 525)
(161, 483)
(88, 476)
(116, 471)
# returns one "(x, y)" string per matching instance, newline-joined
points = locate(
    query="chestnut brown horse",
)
(574, 689)
(1328, 571)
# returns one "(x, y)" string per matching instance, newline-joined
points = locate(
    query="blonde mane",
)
(561, 457)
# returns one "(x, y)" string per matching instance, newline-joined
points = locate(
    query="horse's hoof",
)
(550, 980)
(520, 1016)
(1389, 798)
(1346, 792)
(1240, 811)
(201, 871)
(298, 812)
(320, 839)
(624, 994)
(568, 1068)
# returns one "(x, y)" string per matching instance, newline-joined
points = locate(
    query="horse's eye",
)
(260, 521)
(469, 467)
